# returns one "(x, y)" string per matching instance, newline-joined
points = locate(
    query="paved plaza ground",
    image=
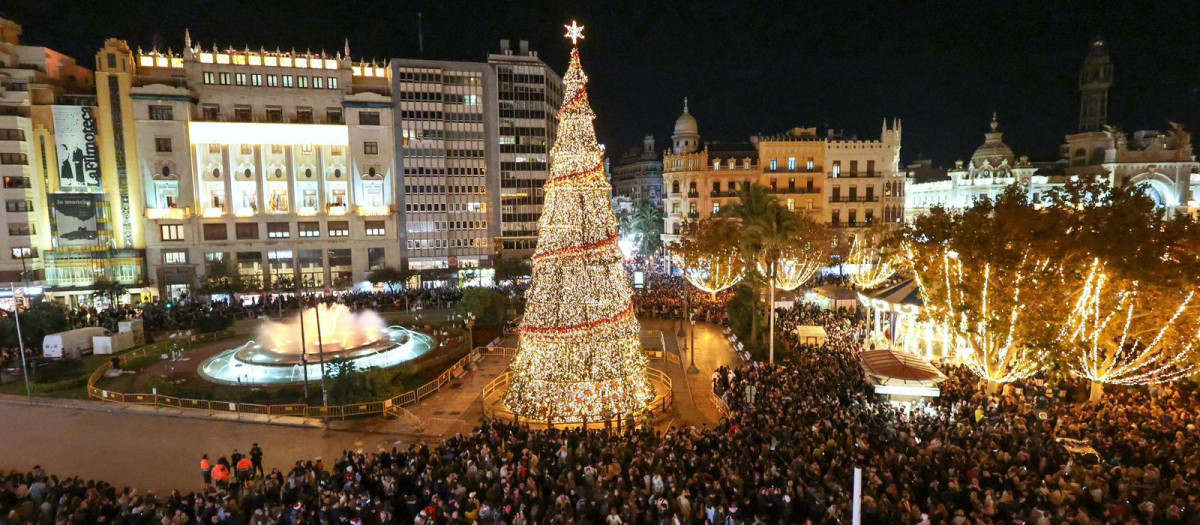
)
(160, 449)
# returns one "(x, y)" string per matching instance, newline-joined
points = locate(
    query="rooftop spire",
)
(995, 123)
(685, 108)
(187, 37)
(346, 50)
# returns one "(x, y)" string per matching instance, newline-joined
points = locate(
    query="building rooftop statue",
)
(686, 123)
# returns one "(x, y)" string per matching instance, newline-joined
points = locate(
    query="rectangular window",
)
(277, 148)
(224, 79)
(175, 257)
(174, 232)
(274, 114)
(310, 229)
(246, 230)
(24, 252)
(791, 163)
(333, 84)
(18, 206)
(16, 182)
(376, 258)
(306, 149)
(214, 148)
(272, 80)
(837, 168)
(837, 217)
(240, 79)
(318, 83)
(333, 115)
(12, 134)
(215, 232)
(162, 144)
(371, 148)
(241, 113)
(210, 77)
(304, 115)
(368, 118)
(14, 158)
(375, 229)
(809, 165)
(21, 230)
(210, 112)
(287, 81)
(161, 113)
(278, 230)
(247, 149)
(870, 168)
(853, 168)
(339, 228)
(256, 80)
(774, 165)
(301, 81)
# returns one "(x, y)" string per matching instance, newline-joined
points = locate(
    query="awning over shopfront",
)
(901, 374)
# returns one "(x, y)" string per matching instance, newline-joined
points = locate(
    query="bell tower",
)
(1094, 80)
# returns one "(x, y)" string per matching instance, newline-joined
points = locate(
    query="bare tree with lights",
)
(1118, 333)
(580, 355)
(874, 265)
(709, 255)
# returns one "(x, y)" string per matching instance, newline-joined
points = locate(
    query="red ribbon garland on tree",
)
(564, 329)
(575, 250)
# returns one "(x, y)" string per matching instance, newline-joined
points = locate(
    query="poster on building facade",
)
(75, 130)
(75, 219)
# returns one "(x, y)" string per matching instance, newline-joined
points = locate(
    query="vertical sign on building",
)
(75, 130)
(118, 124)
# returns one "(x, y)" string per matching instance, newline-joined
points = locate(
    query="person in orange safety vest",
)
(205, 470)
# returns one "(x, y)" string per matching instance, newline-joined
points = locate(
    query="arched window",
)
(1079, 157)
(692, 188)
(674, 186)
(1097, 156)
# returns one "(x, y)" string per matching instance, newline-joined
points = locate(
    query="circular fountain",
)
(281, 352)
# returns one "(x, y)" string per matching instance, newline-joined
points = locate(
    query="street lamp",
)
(470, 320)
(692, 369)
(20, 341)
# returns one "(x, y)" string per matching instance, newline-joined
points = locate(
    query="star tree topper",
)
(574, 32)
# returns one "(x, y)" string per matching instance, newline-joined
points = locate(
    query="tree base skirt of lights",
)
(495, 408)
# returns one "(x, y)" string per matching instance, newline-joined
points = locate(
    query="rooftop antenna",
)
(420, 34)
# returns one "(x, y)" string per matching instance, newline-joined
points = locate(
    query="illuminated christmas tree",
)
(580, 352)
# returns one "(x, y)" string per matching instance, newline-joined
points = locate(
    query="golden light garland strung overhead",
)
(873, 267)
(793, 268)
(580, 355)
(984, 321)
(709, 255)
(1103, 335)
(714, 273)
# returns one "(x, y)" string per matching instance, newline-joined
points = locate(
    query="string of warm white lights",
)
(793, 267)
(983, 322)
(1102, 334)
(709, 255)
(580, 351)
(874, 268)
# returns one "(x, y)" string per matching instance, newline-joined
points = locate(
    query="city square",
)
(399, 277)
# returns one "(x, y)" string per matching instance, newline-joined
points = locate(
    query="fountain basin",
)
(255, 364)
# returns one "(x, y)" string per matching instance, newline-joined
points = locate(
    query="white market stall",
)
(812, 335)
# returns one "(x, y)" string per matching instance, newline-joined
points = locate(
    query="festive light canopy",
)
(1109, 343)
(984, 311)
(874, 267)
(793, 267)
(710, 256)
(580, 354)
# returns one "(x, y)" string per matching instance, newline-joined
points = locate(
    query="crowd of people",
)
(785, 452)
(663, 295)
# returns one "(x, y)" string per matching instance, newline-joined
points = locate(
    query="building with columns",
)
(845, 182)
(989, 172)
(1162, 163)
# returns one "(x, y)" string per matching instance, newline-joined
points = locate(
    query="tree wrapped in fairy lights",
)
(1115, 334)
(709, 254)
(580, 355)
(874, 265)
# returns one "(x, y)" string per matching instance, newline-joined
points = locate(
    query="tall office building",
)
(472, 142)
(443, 151)
(528, 94)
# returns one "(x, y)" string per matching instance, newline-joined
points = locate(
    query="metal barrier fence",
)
(659, 405)
(298, 410)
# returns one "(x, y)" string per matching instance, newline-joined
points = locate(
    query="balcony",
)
(854, 198)
(857, 175)
(336, 209)
(374, 211)
(693, 215)
(796, 191)
(168, 214)
(211, 212)
(723, 194)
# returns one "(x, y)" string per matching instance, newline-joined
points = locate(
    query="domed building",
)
(992, 169)
(686, 137)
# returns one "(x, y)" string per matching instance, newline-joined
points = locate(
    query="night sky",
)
(746, 67)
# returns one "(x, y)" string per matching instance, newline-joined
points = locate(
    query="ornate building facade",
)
(847, 183)
(638, 174)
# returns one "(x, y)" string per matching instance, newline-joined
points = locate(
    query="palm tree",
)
(776, 235)
(646, 221)
(751, 207)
